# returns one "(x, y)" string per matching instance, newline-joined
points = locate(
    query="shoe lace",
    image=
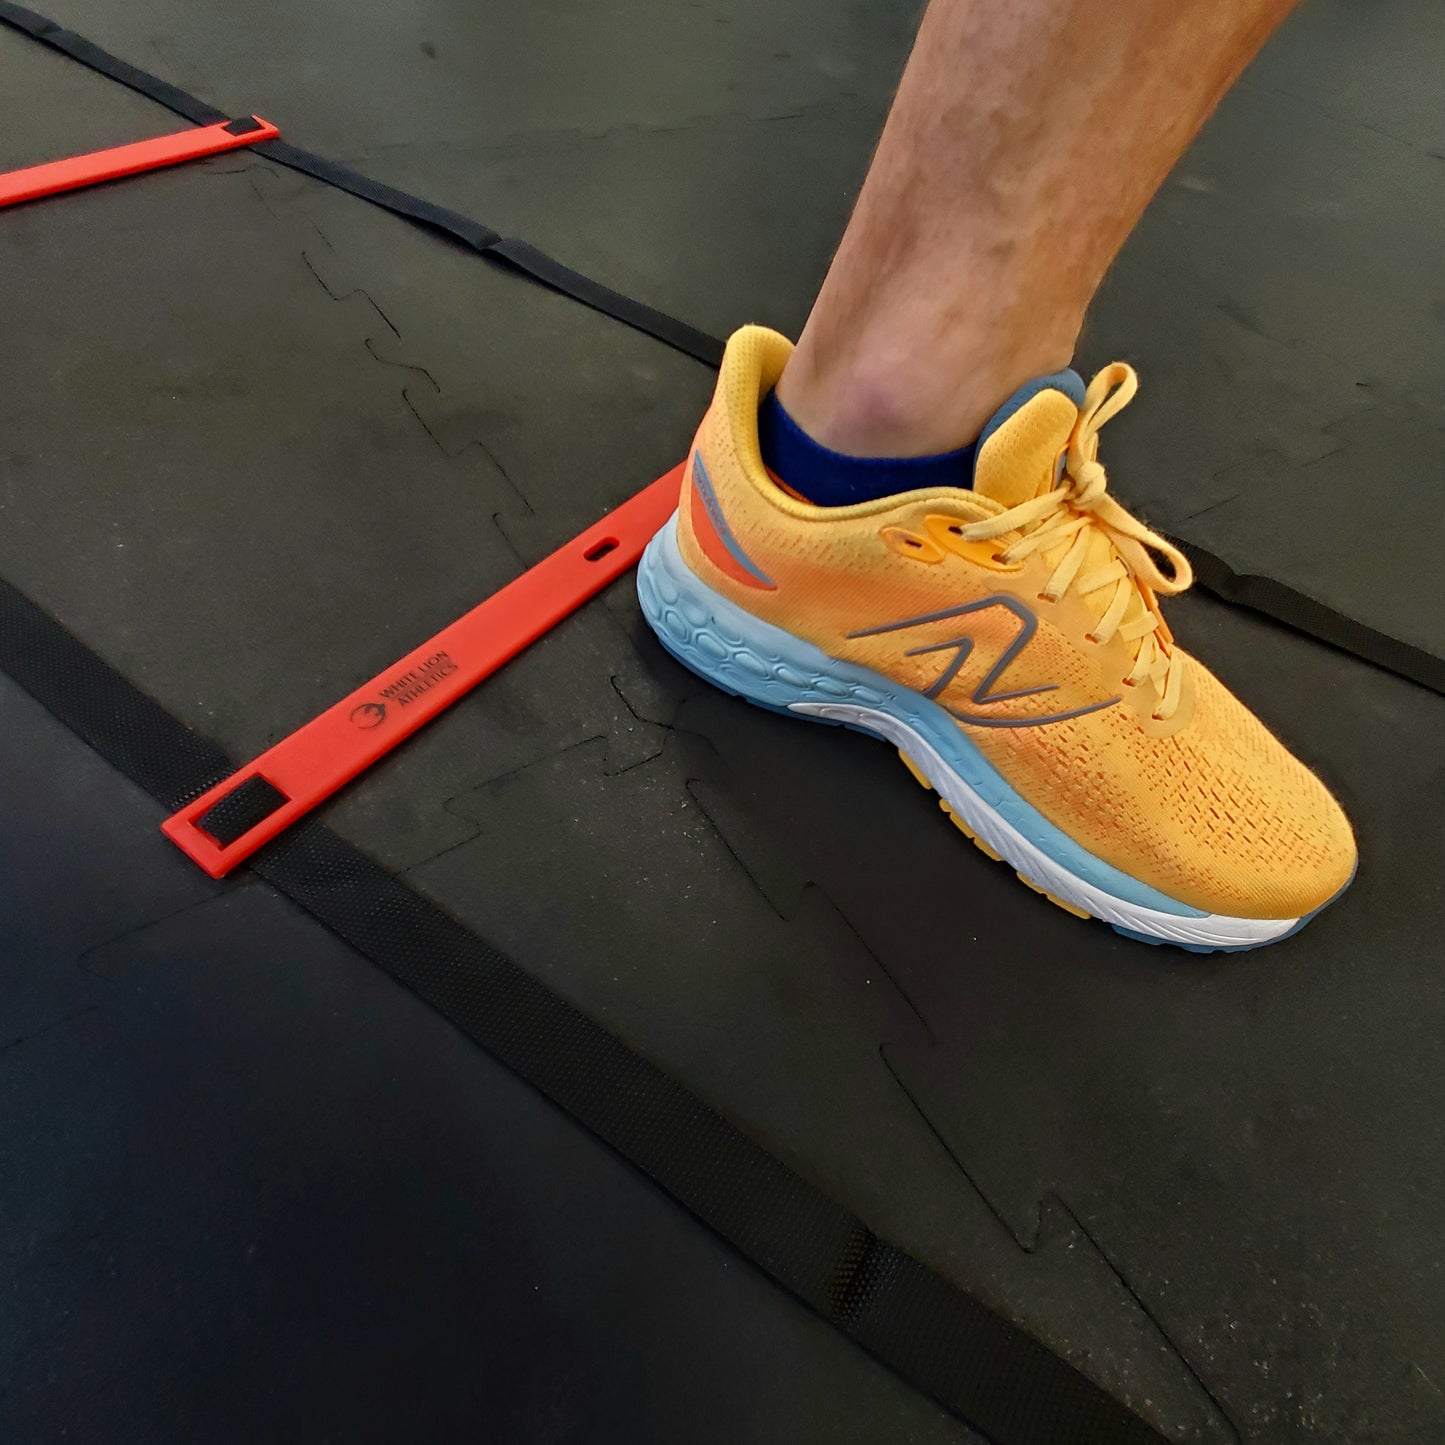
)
(1078, 508)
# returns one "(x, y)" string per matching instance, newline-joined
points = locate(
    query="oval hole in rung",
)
(598, 550)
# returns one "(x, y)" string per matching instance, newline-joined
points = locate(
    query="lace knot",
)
(1090, 486)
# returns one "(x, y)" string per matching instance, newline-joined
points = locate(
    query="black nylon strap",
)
(333, 173)
(974, 1363)
(1261, 594)
(235, 814)
(678, 334)
(516, 255)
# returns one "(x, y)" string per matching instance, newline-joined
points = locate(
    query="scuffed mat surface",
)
(256, 439)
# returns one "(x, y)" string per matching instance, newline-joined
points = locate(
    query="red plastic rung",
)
(129, 160)
(330, 750)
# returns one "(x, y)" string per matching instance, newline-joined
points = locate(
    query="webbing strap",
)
(1274, 600)
(945, 1342)
(517, 255)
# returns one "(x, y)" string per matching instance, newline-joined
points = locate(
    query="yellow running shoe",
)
(1007, 640)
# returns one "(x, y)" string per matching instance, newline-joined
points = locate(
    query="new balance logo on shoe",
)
(962, 648)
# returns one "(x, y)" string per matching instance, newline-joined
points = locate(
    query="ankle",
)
(903, 401)
(858, 406)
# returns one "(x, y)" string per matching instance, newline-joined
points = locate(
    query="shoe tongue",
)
(1018, 450)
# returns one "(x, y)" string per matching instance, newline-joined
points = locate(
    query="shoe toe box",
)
(1253, 831)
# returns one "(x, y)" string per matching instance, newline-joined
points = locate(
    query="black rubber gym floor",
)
(258, 438)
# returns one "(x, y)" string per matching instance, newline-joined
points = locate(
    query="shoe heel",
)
(701, 630)
(676, 606)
